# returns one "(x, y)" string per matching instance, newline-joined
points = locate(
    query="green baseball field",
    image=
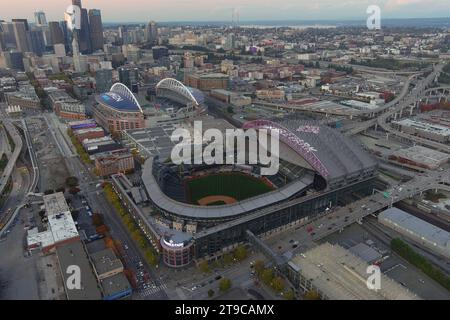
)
(229, 185)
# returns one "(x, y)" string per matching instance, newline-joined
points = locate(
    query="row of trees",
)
(239, 254)
(224, 285)
(346, 69)
(84, 156)
(270, 279)
(406, 252)
(136, 233)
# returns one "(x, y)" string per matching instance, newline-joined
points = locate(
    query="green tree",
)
(215, 264)
(204, 266)
(311, 295)
(136, 235)
(240, 253)
(210, 293)
(267, 276)
(289, 295)
(259, 267)
(224, 284)
(62, 189)
(142, 243)
(151, 257)
(72, 181)
(278, 284)
(227, 259)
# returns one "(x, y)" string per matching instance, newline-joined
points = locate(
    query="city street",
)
(88, 184)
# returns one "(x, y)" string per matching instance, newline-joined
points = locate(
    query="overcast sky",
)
(212, 10)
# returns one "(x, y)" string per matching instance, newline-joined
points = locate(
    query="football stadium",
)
(118, 110)
(206, 209)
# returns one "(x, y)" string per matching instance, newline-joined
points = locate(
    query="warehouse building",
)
(418, 230)
(25, 97)
(74, 254)
(426, 130)
(82, 124)
(115, 161)
(421, 157)
(337, 274)
(89, 133)
(207, 81)
(106, 264)
(100, 145)
(72, 111)
(61, 228)
(116, 287)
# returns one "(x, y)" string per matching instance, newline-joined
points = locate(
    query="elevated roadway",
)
(348, 112)
(14, 156)
(338, 219)
(396, 110)
(22, 186)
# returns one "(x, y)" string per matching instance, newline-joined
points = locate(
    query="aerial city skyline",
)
(246, 159)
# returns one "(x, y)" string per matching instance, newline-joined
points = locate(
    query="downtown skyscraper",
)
(40, 19)
(151, 33)
(90, 35)
(20, 27)
(96, 29)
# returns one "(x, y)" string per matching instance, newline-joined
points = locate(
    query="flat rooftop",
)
(425, 126)
(55, 203)
(87, 130)
(323, 106)
(416, 226)
(423, 155)
(359, 105)
(62, 226)
(340, 275)
(74, 254)
(115, 284)
(156, 141)
(366, 253)
(105, 261)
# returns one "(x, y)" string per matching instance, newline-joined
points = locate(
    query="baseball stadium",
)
(313, 158)
(214, 206)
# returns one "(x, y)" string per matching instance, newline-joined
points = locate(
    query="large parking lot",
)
(52, 167)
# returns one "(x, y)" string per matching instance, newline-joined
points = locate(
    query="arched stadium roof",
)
(174, 85)
(120, 98)
(327, 151)
(292, 140)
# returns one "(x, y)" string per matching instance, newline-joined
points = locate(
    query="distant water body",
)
(413, 22)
